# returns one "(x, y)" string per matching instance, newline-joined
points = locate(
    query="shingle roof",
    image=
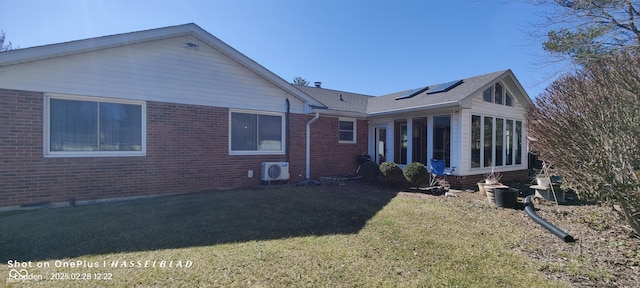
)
(359, 105)
(339, 102)
(469, 86)
(334, 102)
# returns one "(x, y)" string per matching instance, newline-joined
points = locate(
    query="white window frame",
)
(355, 130)
(490, 94)
(507, 96)
(70, 154)
(283, 137)
(505, 93)
(505, 136)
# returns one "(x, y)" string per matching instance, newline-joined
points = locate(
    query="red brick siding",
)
(330, 158)
(187, 151)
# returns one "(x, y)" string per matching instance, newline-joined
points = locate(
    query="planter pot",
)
(490, 192)
(491, 182)
(543, 181)
(506, 197)
(481, 188)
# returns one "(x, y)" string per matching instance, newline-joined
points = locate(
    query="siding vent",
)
(191, 45)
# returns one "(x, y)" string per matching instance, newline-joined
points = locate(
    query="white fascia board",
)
(525, 95)
(451, 104)
(340, 113)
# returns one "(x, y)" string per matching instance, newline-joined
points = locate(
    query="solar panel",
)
(411, 93)
(445, 87)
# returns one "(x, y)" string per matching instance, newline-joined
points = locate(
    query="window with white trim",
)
(442, 138)
(78, 126)
(347, 130)
(508, 100)
(495, 141)
(497, 94)
(253, 133)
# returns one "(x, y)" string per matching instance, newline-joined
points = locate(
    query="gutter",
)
(308, 146)
(343, 113)
(450, 104)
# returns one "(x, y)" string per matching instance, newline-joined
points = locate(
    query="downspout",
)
(530, 210)
(288, 129)
(308, 145)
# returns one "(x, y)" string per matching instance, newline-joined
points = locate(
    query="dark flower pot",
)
(506, 197)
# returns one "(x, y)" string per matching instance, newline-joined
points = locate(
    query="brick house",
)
(176, 110)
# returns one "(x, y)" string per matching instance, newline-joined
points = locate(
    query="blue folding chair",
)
(438, 171)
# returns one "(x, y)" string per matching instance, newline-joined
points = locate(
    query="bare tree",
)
(300, 81)
(587, 125)
(2, 46)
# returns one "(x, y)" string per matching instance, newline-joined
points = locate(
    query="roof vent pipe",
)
(318, 84)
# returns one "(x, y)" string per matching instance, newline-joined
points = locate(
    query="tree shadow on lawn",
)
(189, 220)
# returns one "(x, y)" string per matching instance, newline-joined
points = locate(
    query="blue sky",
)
(369, 47)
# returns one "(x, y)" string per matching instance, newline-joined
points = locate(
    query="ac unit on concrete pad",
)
(275, 171)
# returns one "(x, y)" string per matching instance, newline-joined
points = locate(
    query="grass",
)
(339, 236)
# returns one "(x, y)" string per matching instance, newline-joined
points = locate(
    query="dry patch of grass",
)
(338, 236)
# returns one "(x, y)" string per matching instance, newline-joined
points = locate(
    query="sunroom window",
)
(497, 94)
(442, 138)
(486, 95)
(508, 100)
(495, 141)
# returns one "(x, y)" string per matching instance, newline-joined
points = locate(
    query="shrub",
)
(416, 174)
(370, 172)
(392, 175)
(587, 124)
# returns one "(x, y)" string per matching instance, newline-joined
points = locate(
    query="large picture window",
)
(256, 133)
(85, 127)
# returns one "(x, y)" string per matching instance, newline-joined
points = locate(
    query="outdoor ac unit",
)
(275, 171)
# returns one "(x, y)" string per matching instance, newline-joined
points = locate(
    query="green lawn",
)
(336, 236)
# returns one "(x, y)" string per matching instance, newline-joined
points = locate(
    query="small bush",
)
(416, 174)
(392, 175)
(370, 172)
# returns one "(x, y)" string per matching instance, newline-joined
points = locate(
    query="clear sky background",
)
(372, 47)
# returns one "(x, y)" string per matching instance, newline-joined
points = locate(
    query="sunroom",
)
(473, 124)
